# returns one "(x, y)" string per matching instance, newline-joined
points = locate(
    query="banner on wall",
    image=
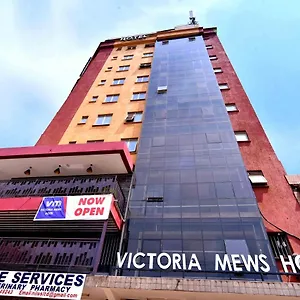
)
(41, 285)
(91, 207)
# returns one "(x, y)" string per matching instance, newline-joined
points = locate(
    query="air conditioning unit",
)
(162, 89)
(129, 118)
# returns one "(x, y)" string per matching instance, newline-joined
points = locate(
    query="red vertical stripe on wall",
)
(57, 127)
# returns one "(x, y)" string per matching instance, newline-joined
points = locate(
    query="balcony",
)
(59, 255)
(20, 199)
(63, 186)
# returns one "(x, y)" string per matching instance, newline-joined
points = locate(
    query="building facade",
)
(162, 123)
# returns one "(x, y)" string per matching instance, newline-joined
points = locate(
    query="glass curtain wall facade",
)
(188, 155)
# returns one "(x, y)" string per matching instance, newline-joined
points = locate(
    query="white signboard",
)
(91, 207)
(41, 285)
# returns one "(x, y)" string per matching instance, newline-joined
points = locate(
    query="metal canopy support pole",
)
(100, 248)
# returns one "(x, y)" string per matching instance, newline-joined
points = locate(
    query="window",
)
(103, 120)
(142, 78)
(83, 120)
(241, 136)
(231, 107)
(123, 68)
(102, 82)
(108, 69)
(257, 178)
(114, 57)
(145, 65)
(134, 117)
(72, 142)
(131, 144)
(149, 45)
(236, 247)
(118, 81)
(191, 39)
(111, 98)
(139, 96)
(213, 57)
(162, 89)
(155, 199)
(131, 47)
(94, 141)
(223, 86)
(94, 99)
(119, 49)
(165, 42)
(127, 57)
(209, 47)
(218, 70)
(280, 244)
(149, 54)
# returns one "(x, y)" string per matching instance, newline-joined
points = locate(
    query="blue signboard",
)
(52, 208)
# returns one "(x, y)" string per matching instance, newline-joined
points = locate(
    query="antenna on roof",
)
(192, 19)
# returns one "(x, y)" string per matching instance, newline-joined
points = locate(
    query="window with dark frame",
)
(131, 144)
(145, 65)
(103, 120)
(134, 117)
(111, 98)
(140, 79)
(149, 45)
(138, 96)
(231, 107)
(155, 199)
(165, 42)
(149, 54)
(94, 141)
(118, 81)
(223, 86)
(123, 68)
(127, 57)
(94, 99)
(102, 82)
(218, 70)
(280, 244)
(83, 120)
(131, 47)
(257, 178)
(241, 136)
(72, 142)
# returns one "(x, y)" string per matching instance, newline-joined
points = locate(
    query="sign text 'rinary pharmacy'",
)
(42, 285)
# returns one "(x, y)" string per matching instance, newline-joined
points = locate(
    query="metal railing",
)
(57, 255)
(63, 186)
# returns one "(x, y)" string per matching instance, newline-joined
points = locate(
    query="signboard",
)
(133, 37)
(226, 262)
(41, 285)
(95, 207)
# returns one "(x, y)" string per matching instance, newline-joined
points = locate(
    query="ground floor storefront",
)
(147, 288)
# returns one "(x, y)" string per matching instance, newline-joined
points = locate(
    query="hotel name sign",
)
(133, 37)
(226, 262)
